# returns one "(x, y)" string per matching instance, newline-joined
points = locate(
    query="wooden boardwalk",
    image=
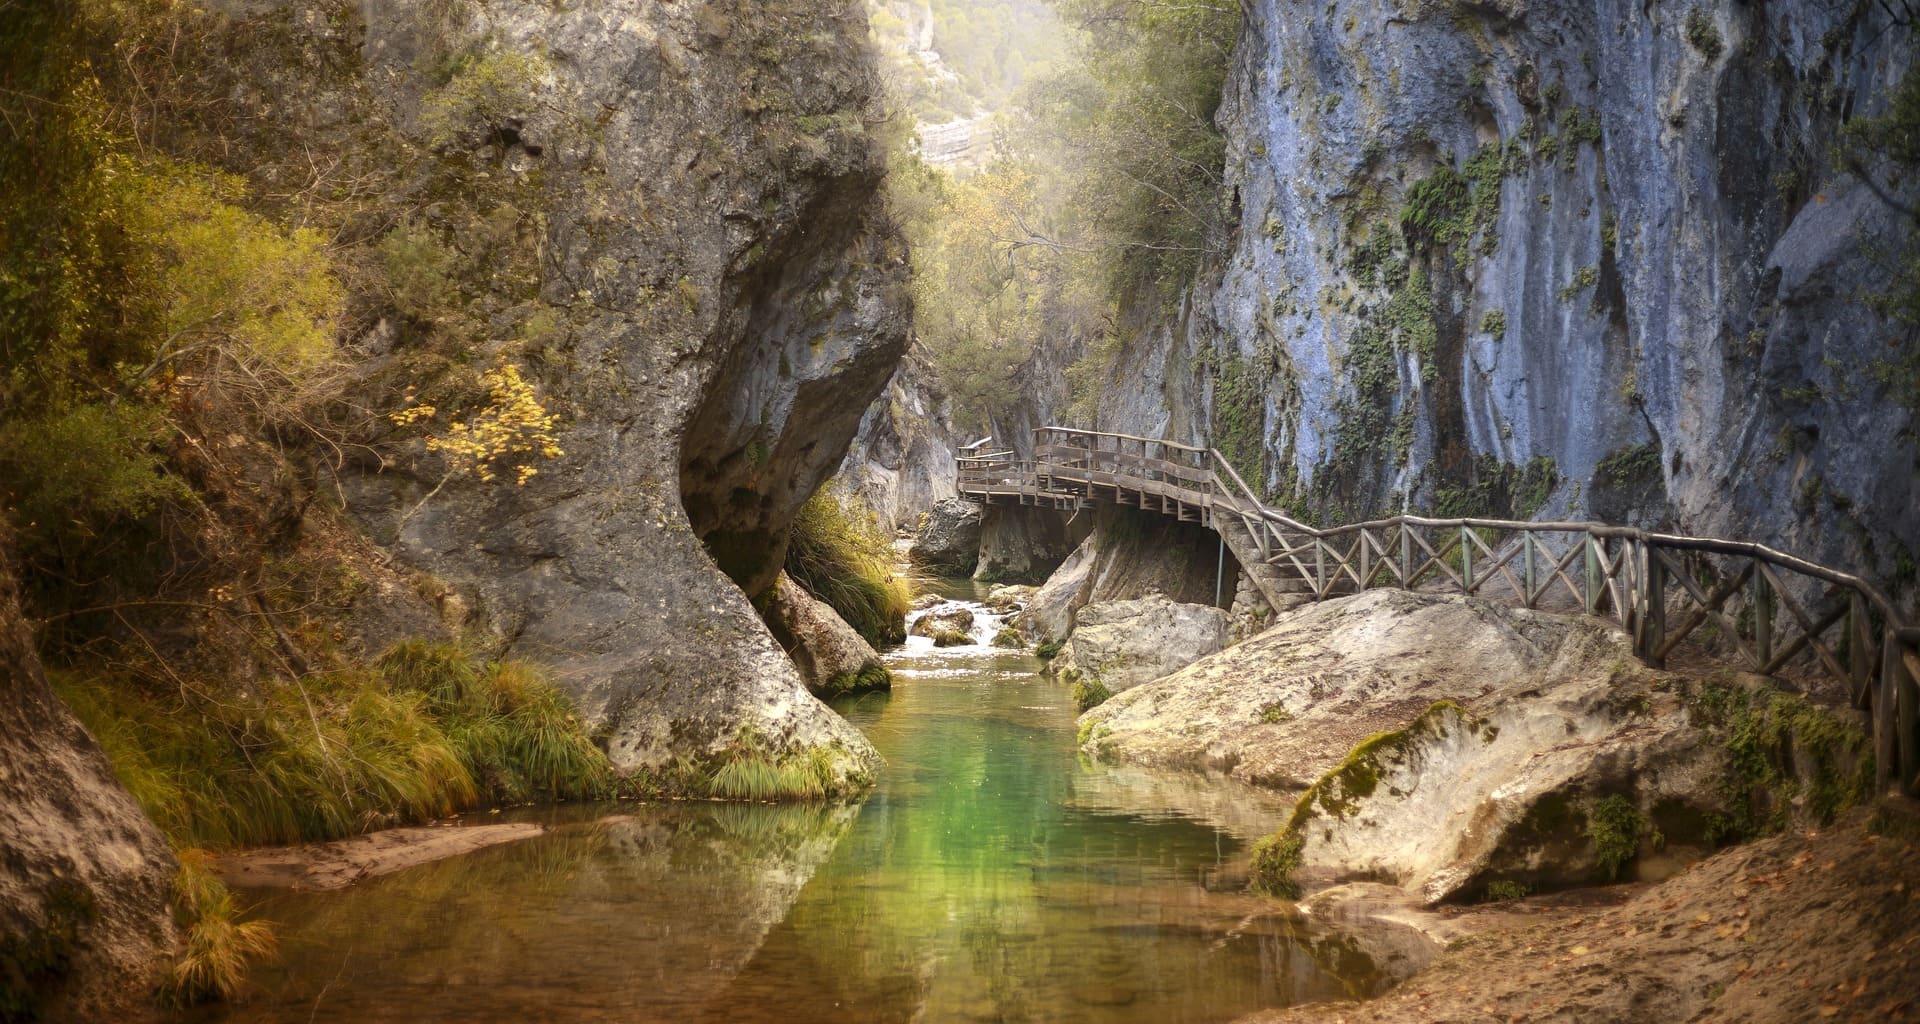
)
(1776, 614)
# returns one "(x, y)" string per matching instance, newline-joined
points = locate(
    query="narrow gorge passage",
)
(993, 875)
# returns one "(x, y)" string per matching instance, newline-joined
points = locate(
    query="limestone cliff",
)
(1538, 257)
(664, 214)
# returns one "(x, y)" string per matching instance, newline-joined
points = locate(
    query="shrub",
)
(419, 271)
(839, 554)
(212, 965)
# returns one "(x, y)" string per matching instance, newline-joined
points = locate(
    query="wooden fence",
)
(1775, 613)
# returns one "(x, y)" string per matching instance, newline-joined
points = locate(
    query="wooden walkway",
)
(1776, 613)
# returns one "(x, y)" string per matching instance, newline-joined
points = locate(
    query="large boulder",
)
(1121, 644)
(85, 878)
(1459, 748)
(949, 542)
(832, 656)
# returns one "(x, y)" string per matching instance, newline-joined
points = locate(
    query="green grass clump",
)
(749, 772)
(1616, 830)
(1087, 691)
(839, 554)
(1275, 713)
(1505, 889)
(871, 676)
(423, 733)
(943, 637)
(1047, 650)
(213, 963)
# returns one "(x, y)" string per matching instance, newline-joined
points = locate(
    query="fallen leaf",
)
(1579, 951)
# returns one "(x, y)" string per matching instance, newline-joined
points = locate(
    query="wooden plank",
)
(1907, 726)
(1886, 721)
(1860, 652)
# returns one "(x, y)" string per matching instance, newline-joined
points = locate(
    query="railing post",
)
(1466, 560)
(1406, 557)
(1886, 741)
(1593, 570)
(1655, 633)
(1859, 644)
(1906, 704)
(1762, 618)
(1366, 560)
(1319, 569)
(1526, 573)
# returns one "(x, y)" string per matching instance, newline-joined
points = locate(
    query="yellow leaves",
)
(513, 428)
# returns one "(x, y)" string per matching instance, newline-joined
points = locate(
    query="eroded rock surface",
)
(1128, 555)
(1019, 543)
(949, 542)
(1442, 744)
(832, 656)
(1121, 644)
(85, 878)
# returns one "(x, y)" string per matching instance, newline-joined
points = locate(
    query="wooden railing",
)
(1776, 614)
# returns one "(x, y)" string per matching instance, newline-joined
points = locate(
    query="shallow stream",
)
(994, 875)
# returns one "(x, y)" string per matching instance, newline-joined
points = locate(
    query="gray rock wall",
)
(901, 460)
(85, 879)
(1552, 258)
(730, 296)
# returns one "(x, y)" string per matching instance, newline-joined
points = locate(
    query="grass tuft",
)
(839, 554)
(213, 963)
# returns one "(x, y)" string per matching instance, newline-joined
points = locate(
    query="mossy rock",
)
(950, 638)
(1009, 638)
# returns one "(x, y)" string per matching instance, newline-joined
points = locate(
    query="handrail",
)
(1633, 574)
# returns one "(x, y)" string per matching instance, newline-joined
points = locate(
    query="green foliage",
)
(1702, 35)
(212, 965)
(1616, 829)
(839, 554)
(1497, 489)
(992, 47)
(871, 676)
(484, 92)
(1275, 713)
(1494, 323)
(1582, 279)
(1627, 466)
(419, 271)
(749, 772)
(1275, 859)
(1449, 207)
(1086, 690)
(1501, 890)
(1781, 750)
(1047, 650)
(1010, 639)
(421, 735)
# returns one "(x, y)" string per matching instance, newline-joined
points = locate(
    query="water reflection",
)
(992, 877)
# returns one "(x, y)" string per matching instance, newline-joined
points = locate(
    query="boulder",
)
(1008, 597)
(1447, 745)
(1121, 644)
(833, 658)
(949, 542)
(86, 879)
(950, 619)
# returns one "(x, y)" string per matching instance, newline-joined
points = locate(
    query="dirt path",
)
(1799, 927)
(341, 863)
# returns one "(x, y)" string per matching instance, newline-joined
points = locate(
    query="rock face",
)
(832, 656)
(1454, 224)
(86, 880)
(1122, 644)
(949, 543)
(718, 296)
(1021, 544)
(1129, 555)
(901, 461)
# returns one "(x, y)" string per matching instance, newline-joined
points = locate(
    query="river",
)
(993, 875)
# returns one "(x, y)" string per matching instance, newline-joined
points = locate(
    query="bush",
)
(838, 553)
(423, 734)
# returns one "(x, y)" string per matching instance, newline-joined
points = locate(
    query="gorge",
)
(873, 490)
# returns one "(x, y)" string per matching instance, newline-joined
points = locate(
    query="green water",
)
(993, 876)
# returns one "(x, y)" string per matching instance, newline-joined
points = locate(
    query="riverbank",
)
(1803, 926)
(338, 864)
